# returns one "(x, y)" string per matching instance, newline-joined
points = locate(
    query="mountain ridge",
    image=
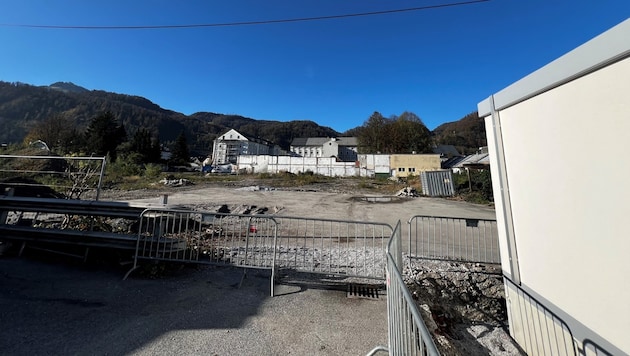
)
(23, 105)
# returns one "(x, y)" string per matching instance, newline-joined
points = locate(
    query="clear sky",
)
(437, 63)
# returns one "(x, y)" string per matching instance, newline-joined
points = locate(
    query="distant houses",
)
(342, 148)
(332, 156)
(232, 144)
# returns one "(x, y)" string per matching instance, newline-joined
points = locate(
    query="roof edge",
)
(603, 50)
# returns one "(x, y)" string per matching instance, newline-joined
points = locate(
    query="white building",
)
(343, 148)
(227, 147)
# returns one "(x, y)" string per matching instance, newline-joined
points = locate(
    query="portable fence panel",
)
(408, 334)
(457, 239)
(536, 328)
(338, 247)
(592, 349)
(206, 237)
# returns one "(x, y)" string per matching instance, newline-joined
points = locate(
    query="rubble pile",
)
(175, 182)
(463, 305)
(408, 192)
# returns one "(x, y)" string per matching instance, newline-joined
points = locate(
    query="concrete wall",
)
(319, 165)
(554, 137)
(372, 164)
(412, 164)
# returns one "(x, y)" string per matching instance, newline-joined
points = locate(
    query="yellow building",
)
(406, 165)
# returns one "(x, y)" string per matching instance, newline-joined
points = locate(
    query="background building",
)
(227, 147)
(343, 148)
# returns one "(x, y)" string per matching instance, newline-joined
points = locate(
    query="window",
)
(401, 169)
(412, 169)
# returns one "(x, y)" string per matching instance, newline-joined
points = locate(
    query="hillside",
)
(23, 105)
(466, 134)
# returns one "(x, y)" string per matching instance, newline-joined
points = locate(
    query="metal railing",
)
(456, 239)
(332, 247)
(71, 176)
(536, 328)
(189, 236)
(591, 348)
(408, 334)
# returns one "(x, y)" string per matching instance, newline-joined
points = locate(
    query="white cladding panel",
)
(568, 184)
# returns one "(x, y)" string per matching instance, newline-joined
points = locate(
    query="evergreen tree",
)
(180, 152)
(103, 135)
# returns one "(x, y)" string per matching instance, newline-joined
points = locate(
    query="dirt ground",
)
(465, 303)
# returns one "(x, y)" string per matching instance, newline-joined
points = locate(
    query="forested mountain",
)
(466, 134)
(22, 106)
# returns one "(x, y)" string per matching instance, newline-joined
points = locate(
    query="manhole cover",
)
(362, 292)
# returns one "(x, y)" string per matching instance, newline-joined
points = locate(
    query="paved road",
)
(57, 307)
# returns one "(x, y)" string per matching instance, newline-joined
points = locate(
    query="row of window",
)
(402, 169)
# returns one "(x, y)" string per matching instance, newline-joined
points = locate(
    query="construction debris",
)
(408, 192)
(176, 182)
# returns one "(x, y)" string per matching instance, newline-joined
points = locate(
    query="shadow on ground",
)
(60, 306)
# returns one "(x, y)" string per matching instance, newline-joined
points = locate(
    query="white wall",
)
(275, 164)
(374, 163)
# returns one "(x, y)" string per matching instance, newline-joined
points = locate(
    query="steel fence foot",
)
(377, 349)
(129, 272)
(242, 278)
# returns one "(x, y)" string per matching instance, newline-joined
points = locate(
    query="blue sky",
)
(437, 63)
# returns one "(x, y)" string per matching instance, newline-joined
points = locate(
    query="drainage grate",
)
(362, 292)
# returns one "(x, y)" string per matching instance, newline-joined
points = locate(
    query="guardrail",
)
(37, 221)
(72, 176)
(408, 334)
(456, 239)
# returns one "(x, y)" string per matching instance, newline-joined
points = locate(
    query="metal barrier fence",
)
(337, 247)
(332, 247)
(408, 334)
(207, 238)
(538, 330)
(457, 239)
(72, 176)
(593, 349)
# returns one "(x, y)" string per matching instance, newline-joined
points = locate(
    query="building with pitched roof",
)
(343, 148)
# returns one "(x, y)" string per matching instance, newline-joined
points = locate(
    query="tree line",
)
(105, 136)
(401, 134)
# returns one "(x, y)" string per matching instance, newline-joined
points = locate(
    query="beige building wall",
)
(405, 165)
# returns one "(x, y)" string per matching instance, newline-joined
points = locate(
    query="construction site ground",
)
(63, 305)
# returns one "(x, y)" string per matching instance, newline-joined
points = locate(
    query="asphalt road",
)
(68, 308)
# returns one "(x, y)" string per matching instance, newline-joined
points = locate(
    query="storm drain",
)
(357, 291)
